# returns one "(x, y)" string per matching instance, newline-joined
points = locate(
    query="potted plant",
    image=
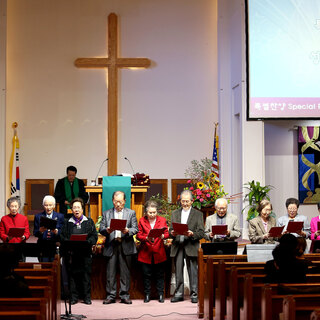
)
(256, 193)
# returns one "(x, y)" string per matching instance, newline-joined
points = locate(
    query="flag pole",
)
(215, 155)
(14, 173)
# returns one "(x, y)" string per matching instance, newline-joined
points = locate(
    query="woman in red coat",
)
(152, 254)
(14, 220)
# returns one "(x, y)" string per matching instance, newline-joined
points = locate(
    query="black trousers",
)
(153, 271)
(80, 278)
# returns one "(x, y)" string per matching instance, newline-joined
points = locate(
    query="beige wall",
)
(3, 23)
(167, 112)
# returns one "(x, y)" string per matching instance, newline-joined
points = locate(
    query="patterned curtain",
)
(309, 164)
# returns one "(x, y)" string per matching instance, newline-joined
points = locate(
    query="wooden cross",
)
(113, 62)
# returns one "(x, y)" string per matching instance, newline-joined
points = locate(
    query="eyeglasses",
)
(118, 202)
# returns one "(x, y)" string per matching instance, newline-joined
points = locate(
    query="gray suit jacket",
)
(231, 221)
(127, 242)
(195, 224)
(256, 230)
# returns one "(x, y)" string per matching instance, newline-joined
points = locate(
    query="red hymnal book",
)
(180, 228)
(318, 225)
(78, 237)
(295, 226)
(118, 224)
(220, 229)
(16, 232)
(275, 232)
(155, 233)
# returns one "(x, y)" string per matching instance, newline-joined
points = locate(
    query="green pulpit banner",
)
(112, 184)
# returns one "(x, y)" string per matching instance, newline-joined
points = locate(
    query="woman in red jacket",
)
(14, 220)
(152, 254)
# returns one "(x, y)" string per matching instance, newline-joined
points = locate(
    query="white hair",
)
(225, 201)
(49, 198)
(187, 192)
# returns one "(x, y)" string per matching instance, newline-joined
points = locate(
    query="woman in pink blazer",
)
(152, 254)
(315, 231)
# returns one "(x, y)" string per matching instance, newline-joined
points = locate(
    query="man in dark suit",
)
(186, 246)
(119, 248)
(47, 238)
(68, 188)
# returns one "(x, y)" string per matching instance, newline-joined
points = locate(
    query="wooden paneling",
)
(177, 186)
(36, 189)
(157, 186)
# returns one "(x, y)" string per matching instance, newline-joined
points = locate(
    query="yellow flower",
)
(200, 185)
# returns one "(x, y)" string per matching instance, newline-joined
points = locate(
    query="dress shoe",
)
(108, 301)
(161, 299)
(194, 300)
(176, 299)
(147, 298)
(87, 301)
(73, 301)
(126, 301)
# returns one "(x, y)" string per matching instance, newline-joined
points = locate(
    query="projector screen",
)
(283, 59)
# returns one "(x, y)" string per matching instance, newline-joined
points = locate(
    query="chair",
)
(36, 189)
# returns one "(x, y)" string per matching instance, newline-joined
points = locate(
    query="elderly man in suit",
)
(186, 246)
(223, 217)
(47, 238)
(119, 248)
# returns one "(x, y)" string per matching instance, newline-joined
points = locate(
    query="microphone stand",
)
(95, 180)
(134, 175)
(65, 273)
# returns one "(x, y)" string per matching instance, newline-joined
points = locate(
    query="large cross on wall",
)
(112, 63)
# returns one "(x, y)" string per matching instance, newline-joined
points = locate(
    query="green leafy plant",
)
(256, 193)
(165, 206)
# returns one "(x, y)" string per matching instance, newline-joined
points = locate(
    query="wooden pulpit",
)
(95, 205)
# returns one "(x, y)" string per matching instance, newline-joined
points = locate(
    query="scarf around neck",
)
(68, 191)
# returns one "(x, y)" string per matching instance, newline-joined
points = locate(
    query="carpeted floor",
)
(137, 310)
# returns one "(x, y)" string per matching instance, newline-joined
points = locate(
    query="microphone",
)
(95, 180)
(125, 158)
(135, 176)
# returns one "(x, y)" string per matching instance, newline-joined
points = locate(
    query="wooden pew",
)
(246, 293)
(36, 265)
(253, 296)
(288, 308)
(215, 280)
(223, 290)
(206, 294)
(21, 315)
(272, 304)
(46, 281)
(315, 315)
(44, 292)
(48, 275)
(26, 304)
(202, 274)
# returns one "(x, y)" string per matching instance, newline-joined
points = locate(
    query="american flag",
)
(215, 156)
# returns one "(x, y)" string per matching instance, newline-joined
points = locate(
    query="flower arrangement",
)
(165, 206)
(203, 184)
